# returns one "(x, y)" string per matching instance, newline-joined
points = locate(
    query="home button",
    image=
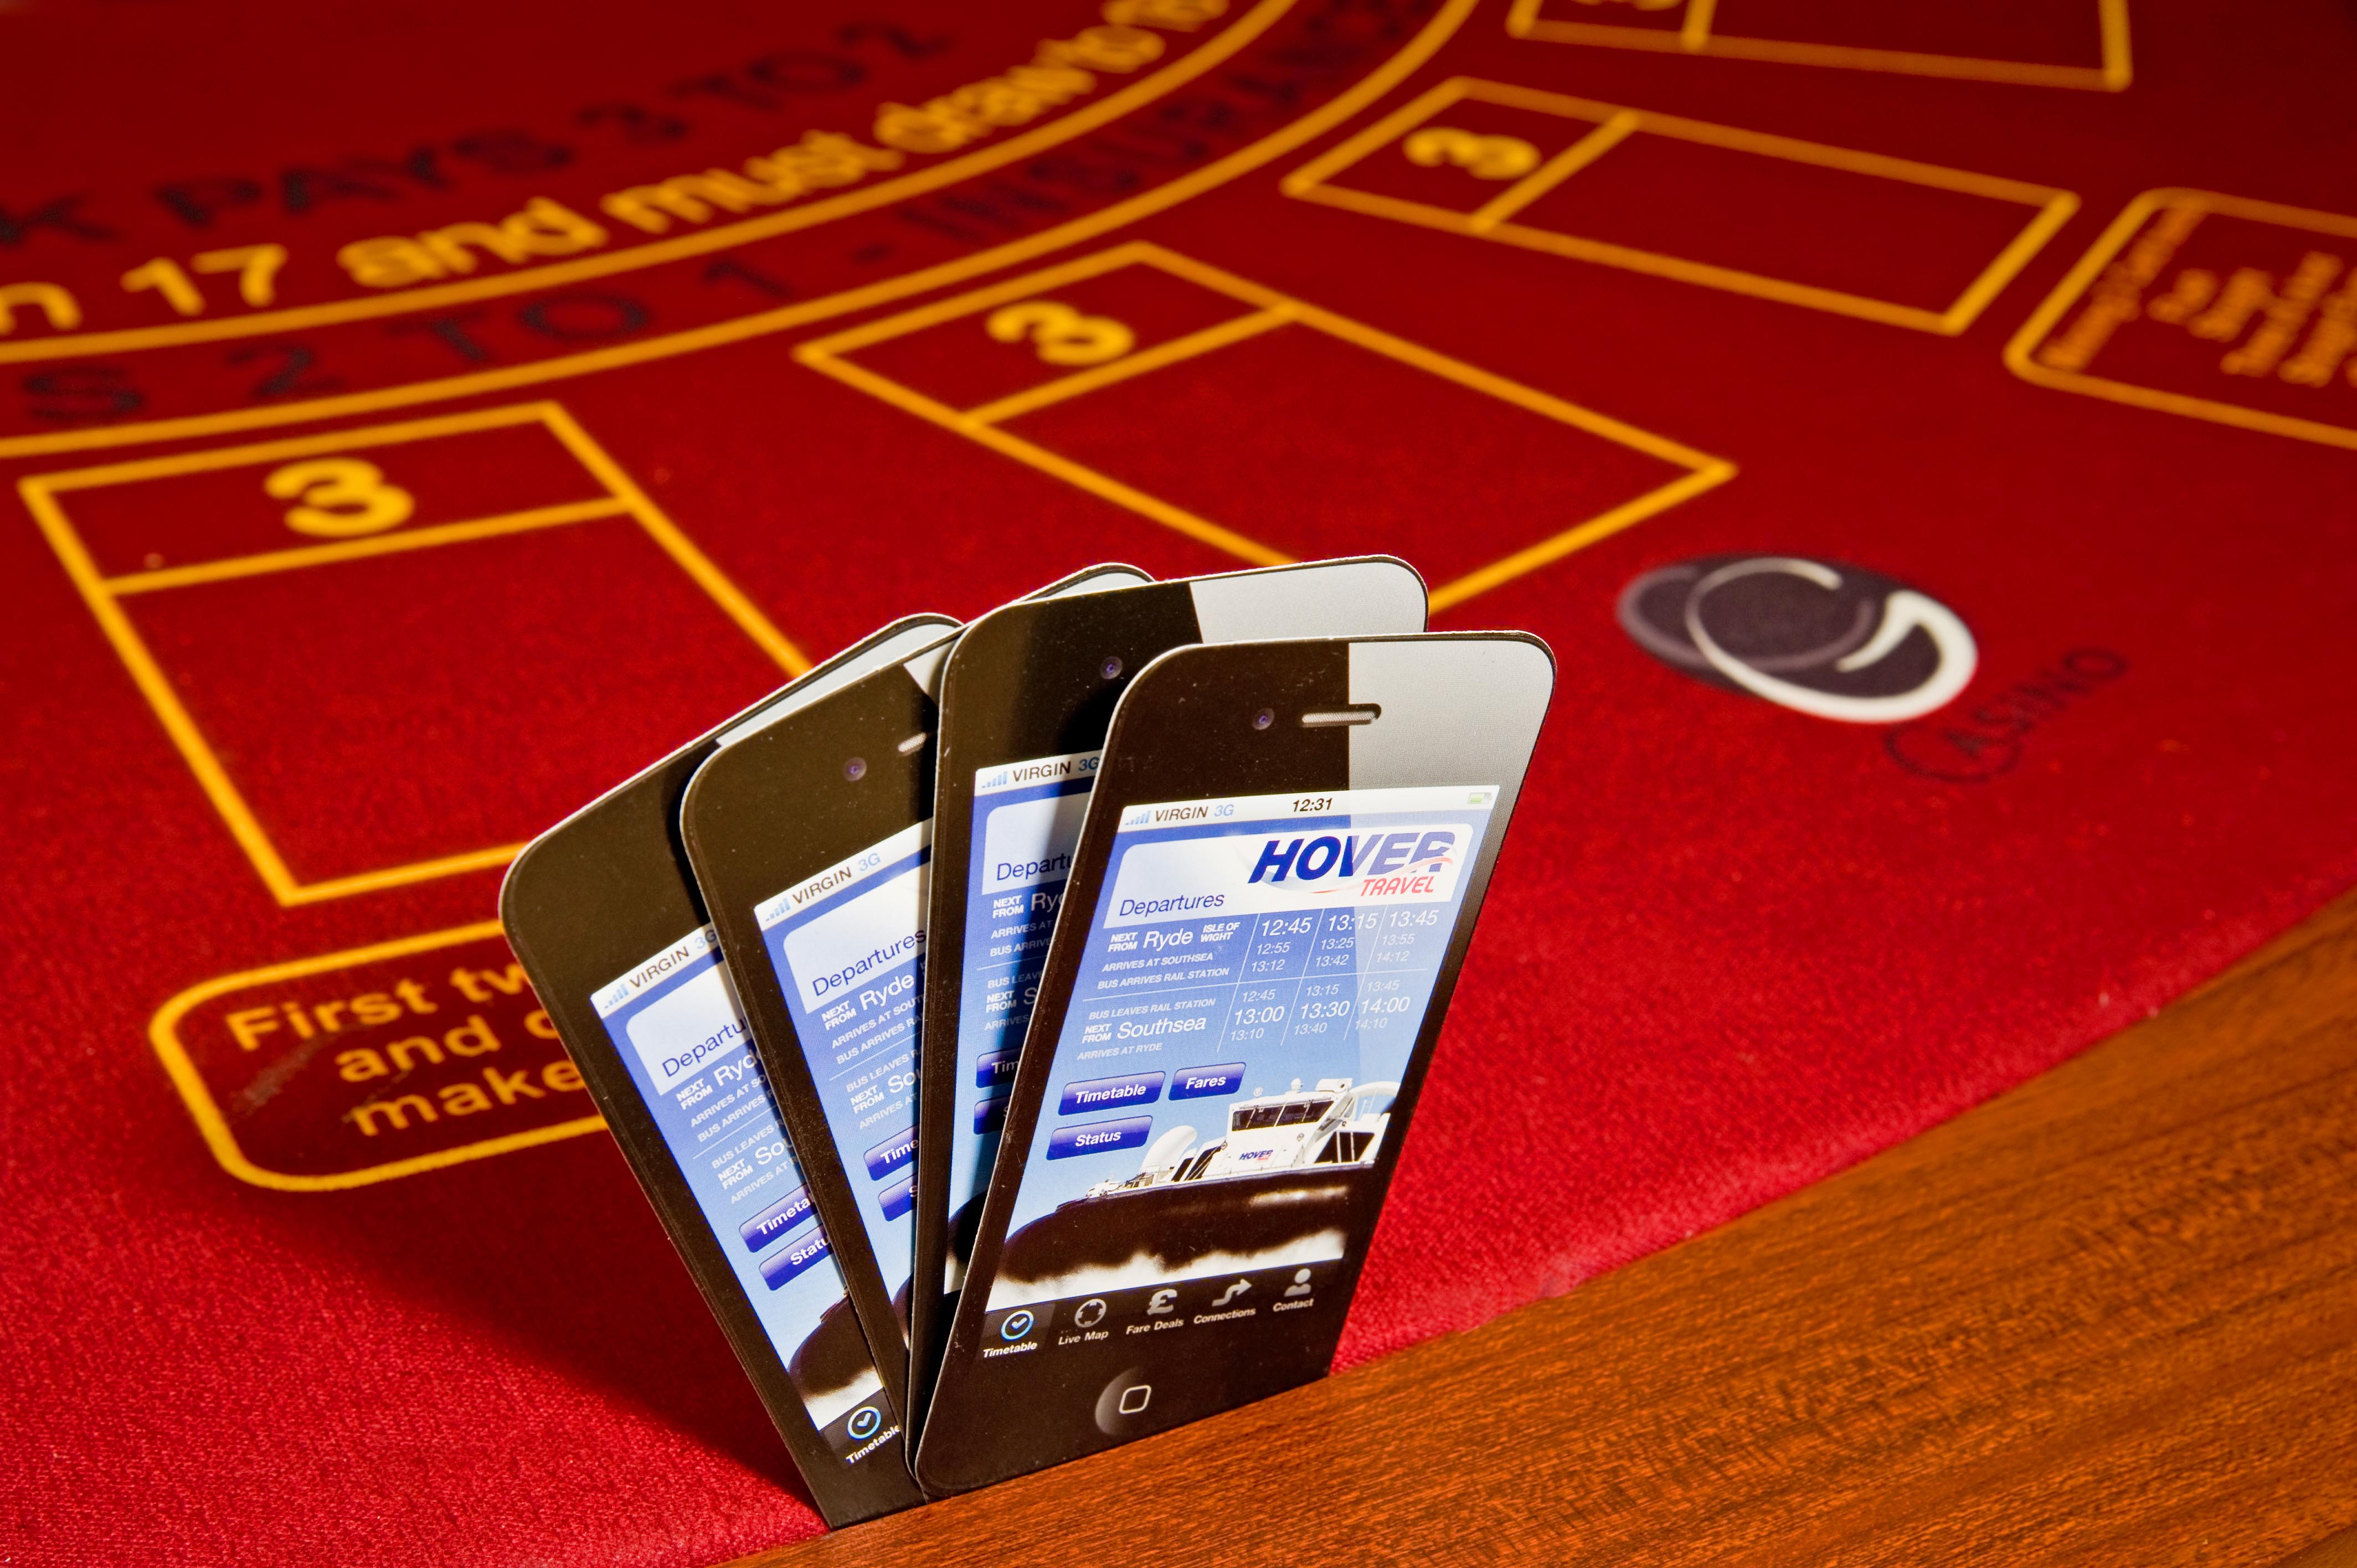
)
(1124, 1409)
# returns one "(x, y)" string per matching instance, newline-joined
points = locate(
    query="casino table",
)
(415, 420)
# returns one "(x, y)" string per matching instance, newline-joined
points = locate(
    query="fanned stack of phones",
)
(1197, 864)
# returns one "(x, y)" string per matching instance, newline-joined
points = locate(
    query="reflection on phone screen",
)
(1254, 977)
(674, 1022)
(848, 947)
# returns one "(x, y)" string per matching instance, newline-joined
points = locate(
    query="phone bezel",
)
(1025, 681)
(771, 811)
(1182, 732)
(769, 843)
(601, 891)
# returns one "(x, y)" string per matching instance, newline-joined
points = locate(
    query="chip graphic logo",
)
(1834, 641)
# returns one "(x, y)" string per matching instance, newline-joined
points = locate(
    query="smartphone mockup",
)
(808, 834)
(1025, 696)
(608, 926)
(1271, 898)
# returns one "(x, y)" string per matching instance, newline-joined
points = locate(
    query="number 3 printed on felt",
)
(342, 498)
(1483, 158)
(1061, 335)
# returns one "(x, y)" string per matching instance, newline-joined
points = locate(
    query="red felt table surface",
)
(1878, 290)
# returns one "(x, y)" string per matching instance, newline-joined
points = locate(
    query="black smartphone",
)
(1273, 893)
(807, 832)
(603, 913)
(1025, 697)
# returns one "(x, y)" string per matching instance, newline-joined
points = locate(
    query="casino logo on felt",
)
(1834, 641)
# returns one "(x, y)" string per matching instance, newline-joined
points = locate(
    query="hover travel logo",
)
(1834, 641)
(1255, 871)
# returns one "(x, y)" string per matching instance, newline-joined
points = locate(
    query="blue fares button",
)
(892, 1154)
(796, 1257)
(777, 1219)
(1105, 1093)
(1196, 1083)
(990, 1115)
(898, 1198)
(994, 1069)
(1099, 1137)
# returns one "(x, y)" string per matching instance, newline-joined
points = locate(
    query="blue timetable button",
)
(898, 1198)
(990, 1115)
(892, 1154)
(1099, 1137)
(776, 1220)
(994, 1069)
(796, 1257)
(1104, 1093)
(1196, 1083)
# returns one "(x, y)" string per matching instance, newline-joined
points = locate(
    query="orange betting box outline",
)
(1616, 124)
(45, 495)
(2300, 334)
(1105, 349)
(1697, 34)
(219, 1129)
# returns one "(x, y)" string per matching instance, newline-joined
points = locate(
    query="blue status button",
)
(990, 1115)
(1105, 1093)
(994, 1069)
(1198, 1082)
(777, 1219)
(1099, 1137)
(892, 1154)
(794, 1258)
(898, 1198)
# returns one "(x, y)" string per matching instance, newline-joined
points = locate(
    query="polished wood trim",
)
(2107, 1318)
(2341, 1551)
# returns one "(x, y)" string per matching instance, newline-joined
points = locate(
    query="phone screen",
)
(848, 947)
(1253, 981)
(1027, 822)
(674, 1022)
